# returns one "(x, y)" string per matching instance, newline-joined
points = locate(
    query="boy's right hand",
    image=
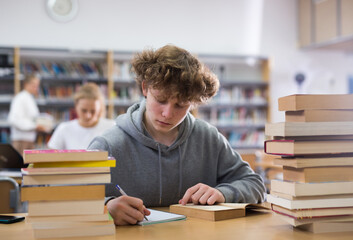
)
(127, 210)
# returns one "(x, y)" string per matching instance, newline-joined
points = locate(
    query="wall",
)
(326, 71)
(200, 25)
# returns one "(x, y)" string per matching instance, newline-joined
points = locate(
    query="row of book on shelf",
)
(315, 147)
(240, 95)
(77, 69)
(238, 139)
(6, 88)
(234, 115)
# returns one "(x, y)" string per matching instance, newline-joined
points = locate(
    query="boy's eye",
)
(161, 100)
(179, 106)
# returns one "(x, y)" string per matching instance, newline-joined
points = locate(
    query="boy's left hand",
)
(202, 194)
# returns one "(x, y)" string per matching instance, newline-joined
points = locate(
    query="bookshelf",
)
(241, 107)
(62, 71)
(239, 110)
(124, 90)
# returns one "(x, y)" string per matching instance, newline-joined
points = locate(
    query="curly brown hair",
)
(176, 73)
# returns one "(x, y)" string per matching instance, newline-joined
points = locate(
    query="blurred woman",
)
(90, 122)
(23, 114)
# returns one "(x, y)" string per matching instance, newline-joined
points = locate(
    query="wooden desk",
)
(256, 225)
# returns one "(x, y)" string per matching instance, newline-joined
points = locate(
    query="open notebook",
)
(161, 217)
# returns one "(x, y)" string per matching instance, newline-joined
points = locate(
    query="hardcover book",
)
(312, 203)
(56, 193)
(73, 229)
(92, 178)
(69, 218)
(313, 197)
(315, 101)
(299, 222)
(60, 208)
(54, 155)
(311, 189)
(314, 138)
(319, 115)
(318, 174)
(326, 227)
(302, 162)
(63, 170)
(307, 147)
(67, 164)
(313, 213)
(216, 212)
(285, 129)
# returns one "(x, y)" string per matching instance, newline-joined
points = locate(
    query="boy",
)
(164, 155)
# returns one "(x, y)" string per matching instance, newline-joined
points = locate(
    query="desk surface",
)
(256, 225)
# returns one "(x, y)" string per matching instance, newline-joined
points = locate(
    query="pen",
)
(124, 193)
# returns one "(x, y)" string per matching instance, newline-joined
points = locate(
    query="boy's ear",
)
(144, 88)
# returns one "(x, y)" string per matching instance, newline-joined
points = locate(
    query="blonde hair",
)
(28, 79)
(91, 91)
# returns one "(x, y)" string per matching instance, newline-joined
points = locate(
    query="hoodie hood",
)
(132, 124)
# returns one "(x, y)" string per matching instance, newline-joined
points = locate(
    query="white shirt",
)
(22, 117)
(71, 135)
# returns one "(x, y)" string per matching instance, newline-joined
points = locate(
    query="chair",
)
(9, 195)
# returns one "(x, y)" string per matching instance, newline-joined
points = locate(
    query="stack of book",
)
(315, 145)
(65, 190)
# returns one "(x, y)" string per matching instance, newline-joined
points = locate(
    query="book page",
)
(161, 217)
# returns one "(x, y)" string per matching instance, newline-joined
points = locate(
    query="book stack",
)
(315, 148)
(65, 190)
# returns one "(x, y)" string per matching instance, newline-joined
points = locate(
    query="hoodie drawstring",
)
(160, 173)
(180, 171)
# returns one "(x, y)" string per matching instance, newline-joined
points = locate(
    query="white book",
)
(315, 203)
(311, 189)
(308, 128)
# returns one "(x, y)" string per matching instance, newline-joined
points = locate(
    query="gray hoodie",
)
(160, 175)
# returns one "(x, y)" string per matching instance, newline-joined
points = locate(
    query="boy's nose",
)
(167, 111)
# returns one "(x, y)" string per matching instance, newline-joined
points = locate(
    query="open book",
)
(161, 217)
(216, 212)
